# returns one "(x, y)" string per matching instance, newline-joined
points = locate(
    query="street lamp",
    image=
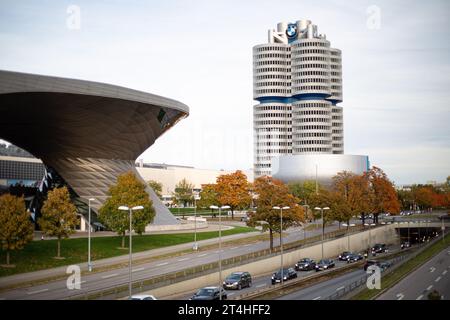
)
(196, 197)
(125, 208)
(370, 236)
(348, 233)
(323, 225)
(281, 240)
(304, 230)
(220, 246)
(89, 235)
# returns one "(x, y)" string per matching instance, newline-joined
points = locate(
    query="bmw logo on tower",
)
(291, 30)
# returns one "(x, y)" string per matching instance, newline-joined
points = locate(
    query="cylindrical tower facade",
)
(272, 118)
(297, 80)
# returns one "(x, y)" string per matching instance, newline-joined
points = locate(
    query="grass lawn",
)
(39, 255)
(175, 211)
(395, 276)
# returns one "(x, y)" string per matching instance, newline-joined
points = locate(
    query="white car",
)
(143, 297)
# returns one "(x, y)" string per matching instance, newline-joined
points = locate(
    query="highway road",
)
(326, 288)
(102, 280)
(329, 287)
(258, 283)
(433, 275)
(318, 291)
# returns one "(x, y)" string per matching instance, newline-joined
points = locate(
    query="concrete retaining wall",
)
(358, 242)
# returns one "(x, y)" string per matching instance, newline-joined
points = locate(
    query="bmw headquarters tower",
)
(298, 122)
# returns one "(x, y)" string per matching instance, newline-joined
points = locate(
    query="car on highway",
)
(384, 265)
(354, 257)
(238, 280)
(344, 255)
(143, 297)
(405, 244)
(370, 263)
(288, 274)
(379, 248)
(305, 264)
(209, 293)
(325, 264)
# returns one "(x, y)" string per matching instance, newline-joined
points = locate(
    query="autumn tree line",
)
(349, 195)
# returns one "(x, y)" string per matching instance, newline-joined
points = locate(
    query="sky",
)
(396, 69)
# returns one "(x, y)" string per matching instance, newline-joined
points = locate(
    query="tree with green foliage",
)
(308, 191)
(272, 192)
(59, 216)
(128, 191)
(16, 229)
(208, 196)
(156, 186)
(184, 192)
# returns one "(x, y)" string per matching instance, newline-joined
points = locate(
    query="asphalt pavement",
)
(432, 275)
(108, 279)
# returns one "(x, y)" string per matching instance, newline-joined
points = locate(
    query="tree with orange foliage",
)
(423, 196)
(383, 195)
(350, 196)
(233, 190)
(271, 192)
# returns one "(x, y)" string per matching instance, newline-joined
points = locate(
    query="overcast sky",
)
(396, 69)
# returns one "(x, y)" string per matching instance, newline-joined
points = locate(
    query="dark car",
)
(209, 293)
(379, 248)
(287, 275)
(324, 264)
(354, 257)
(384, 265)
(405, 244)
(344, 255)
(305, 264)
(238, 280)
(370, 263)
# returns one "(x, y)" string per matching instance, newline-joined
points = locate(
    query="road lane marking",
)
(234, 248)
(184, 259)
(247, 245)
(110, 276)
(37, 291)
(400, 296)
(420, 297)
(317, 298)
(261, 285)
(444, 272)
(432, 269)
(162, 264)
(138, 269)
(429, 288)
(437, 279)
(340, 288)
(202, 255)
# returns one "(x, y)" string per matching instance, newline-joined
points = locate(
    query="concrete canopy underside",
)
(88, 132)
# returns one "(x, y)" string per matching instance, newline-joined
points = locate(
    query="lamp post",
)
(323, 224)
(348, 233)
(220, 246)
(196, 197)
(281, 239)
(89, 235)
(304, 230)
(125, 208)
(370, 236)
